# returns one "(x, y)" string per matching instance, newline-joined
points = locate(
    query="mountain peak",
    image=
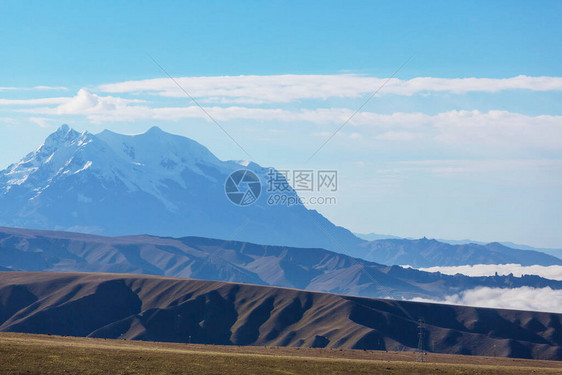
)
(64, 128)
(155, 130)
(63, 134)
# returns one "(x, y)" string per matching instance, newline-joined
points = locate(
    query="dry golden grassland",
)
(42, 354)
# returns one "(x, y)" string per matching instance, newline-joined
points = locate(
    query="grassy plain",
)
(43, 354)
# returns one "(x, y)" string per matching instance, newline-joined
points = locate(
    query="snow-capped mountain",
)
(155, 183)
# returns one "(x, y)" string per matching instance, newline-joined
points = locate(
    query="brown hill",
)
(156, 308)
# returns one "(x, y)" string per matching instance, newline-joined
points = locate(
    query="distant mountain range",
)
(167, 185)
(375, 236)
(202, 258)
(554, 252)
(149, 308)
(425, 253)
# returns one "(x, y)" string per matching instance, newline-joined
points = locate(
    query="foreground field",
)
(42, 354)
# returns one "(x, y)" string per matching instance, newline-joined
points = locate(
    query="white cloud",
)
(35, 88)
(398, 136)
(87, 104)
(549, 272)
(495, 129)
(524, 298)
(8, 121)
(32, 102)
(291, 87)
(41, 121)
(84, 102)
(478, 166)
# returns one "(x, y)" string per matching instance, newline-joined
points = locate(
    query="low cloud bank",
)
(291, 87)
(524, 298)
(548, 272)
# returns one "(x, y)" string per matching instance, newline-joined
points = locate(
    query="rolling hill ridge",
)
(154, 308)
(203, 258)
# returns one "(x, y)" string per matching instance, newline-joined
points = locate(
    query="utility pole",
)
(420, 340)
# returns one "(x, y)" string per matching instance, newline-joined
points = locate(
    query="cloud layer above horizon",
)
(317, 100)
(524, 298)
(317, 104)
(548, 272)
(291, 87)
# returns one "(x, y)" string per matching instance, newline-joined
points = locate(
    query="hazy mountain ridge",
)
(510, 245)
(179, 310)
(210, 259)
(427, 253)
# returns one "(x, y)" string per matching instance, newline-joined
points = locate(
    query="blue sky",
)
(431, 155)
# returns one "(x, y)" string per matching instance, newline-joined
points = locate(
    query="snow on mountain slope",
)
(146, 162)
(54, 158)
(156, 183)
